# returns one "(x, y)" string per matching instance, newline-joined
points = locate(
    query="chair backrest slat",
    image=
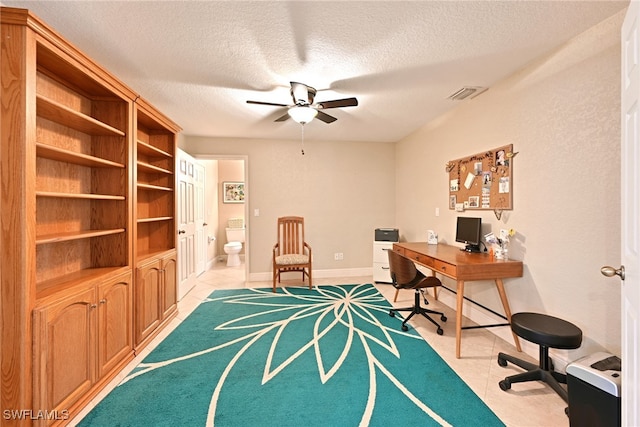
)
(291, 235)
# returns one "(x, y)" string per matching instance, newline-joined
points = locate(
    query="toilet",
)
(235, 238)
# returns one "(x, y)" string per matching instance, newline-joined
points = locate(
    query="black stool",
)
(546, 331)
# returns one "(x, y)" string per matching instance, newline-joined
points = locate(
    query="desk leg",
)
(435, 288)
(459, 301)
(507, 311)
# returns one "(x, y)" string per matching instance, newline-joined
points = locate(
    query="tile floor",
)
(525, 405)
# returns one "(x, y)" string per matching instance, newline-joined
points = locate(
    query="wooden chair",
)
(291, 253)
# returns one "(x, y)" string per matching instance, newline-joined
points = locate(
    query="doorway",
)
(220, 169)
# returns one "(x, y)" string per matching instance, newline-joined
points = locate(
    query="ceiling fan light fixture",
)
(302, 113)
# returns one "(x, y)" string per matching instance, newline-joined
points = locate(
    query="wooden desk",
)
(463, 266)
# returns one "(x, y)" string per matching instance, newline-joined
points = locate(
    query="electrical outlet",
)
(338, 256)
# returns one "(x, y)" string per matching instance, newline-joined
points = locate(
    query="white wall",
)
(343, 189)
(562, 114)
(233, 171)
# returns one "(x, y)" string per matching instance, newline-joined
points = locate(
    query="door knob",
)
(611, 271)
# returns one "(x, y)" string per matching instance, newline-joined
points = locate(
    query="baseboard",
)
(318, 274)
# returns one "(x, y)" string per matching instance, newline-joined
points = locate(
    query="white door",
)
(199, 217)
(630, 208)
(186, 224)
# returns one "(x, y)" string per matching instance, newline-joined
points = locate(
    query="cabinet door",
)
(64, 351)
(147, 299)
(114, 322)
(170, 297)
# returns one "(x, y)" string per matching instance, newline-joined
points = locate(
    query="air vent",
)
(467, 92)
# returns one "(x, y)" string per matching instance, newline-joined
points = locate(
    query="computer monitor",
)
(469, 232)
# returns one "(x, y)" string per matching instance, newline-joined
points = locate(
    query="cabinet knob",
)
(181, 231)
(93, 305)
(103, 301)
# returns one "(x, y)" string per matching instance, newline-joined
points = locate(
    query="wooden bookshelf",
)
(88, 213)
(155, 257)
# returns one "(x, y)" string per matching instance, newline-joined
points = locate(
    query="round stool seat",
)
(546, 330)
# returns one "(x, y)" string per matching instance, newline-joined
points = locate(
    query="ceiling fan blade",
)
(337, 103)
(325, 117)
(267, 103)
(283, 118)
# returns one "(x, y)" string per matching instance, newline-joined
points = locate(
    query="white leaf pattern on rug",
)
(343, 328)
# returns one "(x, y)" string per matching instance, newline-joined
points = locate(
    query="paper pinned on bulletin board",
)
(486, 180)
(469, 181)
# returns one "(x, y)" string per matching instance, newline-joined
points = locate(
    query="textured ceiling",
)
(199, 61)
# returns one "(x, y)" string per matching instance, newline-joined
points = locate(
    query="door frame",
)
(247, 199)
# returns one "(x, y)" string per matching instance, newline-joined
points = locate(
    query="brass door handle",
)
(611, 271)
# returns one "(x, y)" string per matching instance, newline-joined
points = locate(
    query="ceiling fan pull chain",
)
(302, 139)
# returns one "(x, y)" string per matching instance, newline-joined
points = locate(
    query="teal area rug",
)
(331, 356)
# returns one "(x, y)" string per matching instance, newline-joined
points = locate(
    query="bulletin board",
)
(482, 181)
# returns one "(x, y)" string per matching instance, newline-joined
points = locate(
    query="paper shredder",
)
(593, 385)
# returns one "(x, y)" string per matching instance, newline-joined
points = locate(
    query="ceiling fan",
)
(303, 110)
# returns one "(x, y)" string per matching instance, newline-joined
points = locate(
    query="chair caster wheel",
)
(501, 361)
(405, 328)
(443, 318)
(392, 313)
(440, 331)
(504, 385)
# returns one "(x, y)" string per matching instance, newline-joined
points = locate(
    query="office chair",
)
(405, 275)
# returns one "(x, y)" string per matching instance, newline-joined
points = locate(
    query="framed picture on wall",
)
(233, 192)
